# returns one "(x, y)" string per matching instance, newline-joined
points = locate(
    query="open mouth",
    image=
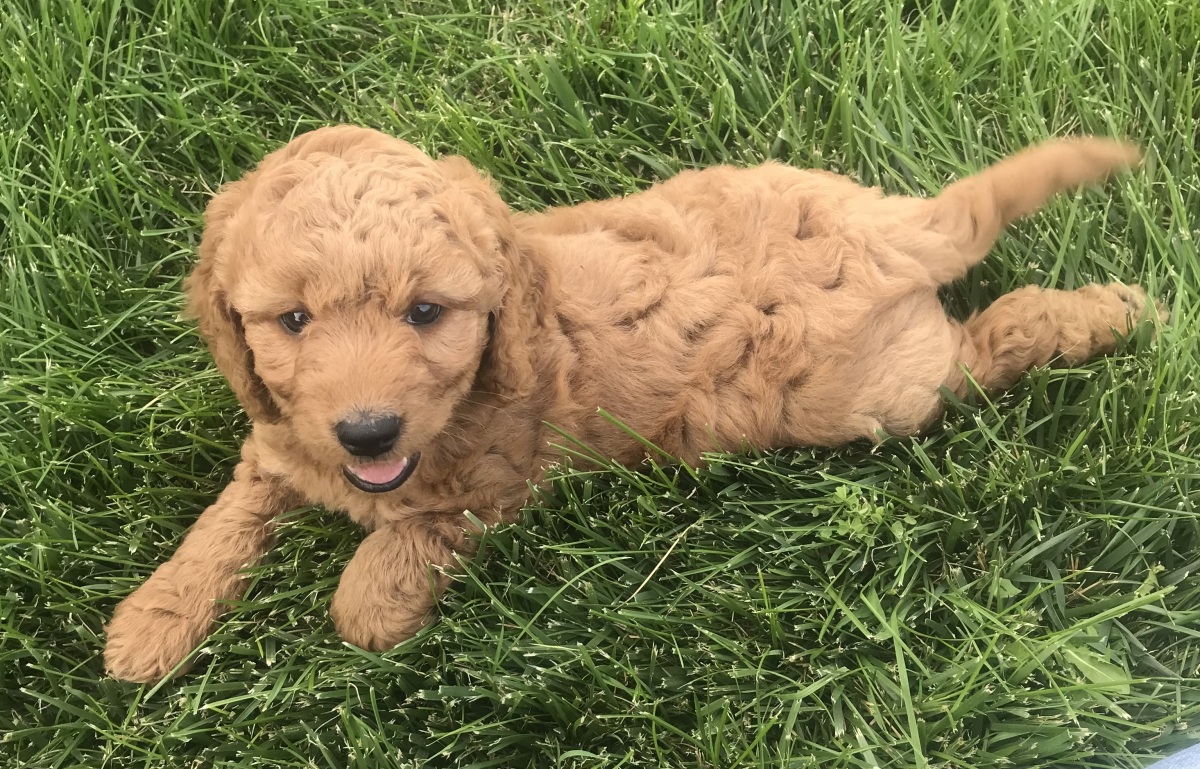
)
(379, 477)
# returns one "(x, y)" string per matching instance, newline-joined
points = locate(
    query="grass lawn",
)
(1017, 588)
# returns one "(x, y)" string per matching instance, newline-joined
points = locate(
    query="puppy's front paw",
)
(378, 625)
(390, 586)
(153, 630)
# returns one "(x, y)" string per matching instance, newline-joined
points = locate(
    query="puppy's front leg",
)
(390, 586)
(157, 626)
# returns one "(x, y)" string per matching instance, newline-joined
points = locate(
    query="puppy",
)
(400, 340)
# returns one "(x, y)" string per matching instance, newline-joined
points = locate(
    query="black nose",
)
(370, 435)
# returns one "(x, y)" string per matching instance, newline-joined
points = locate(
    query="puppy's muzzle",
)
(371, 437)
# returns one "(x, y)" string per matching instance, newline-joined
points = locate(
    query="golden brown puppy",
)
(399, 338)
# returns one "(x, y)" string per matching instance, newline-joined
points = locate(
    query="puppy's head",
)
(355, 291)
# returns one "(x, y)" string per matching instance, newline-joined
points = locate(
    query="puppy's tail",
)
(962, 223)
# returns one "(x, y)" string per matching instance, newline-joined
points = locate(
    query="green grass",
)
(1018, 588)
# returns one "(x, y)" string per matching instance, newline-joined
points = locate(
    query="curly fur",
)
(725, 308)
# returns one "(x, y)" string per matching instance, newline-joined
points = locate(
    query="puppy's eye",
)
(423, 314)
(295, 321)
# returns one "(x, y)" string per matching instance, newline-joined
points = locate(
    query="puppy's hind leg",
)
(1032, 326)
(954, 231)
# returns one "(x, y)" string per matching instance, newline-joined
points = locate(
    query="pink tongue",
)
(384, 473)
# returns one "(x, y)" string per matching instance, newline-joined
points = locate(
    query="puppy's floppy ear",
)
(220, 323)
(507, 366)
